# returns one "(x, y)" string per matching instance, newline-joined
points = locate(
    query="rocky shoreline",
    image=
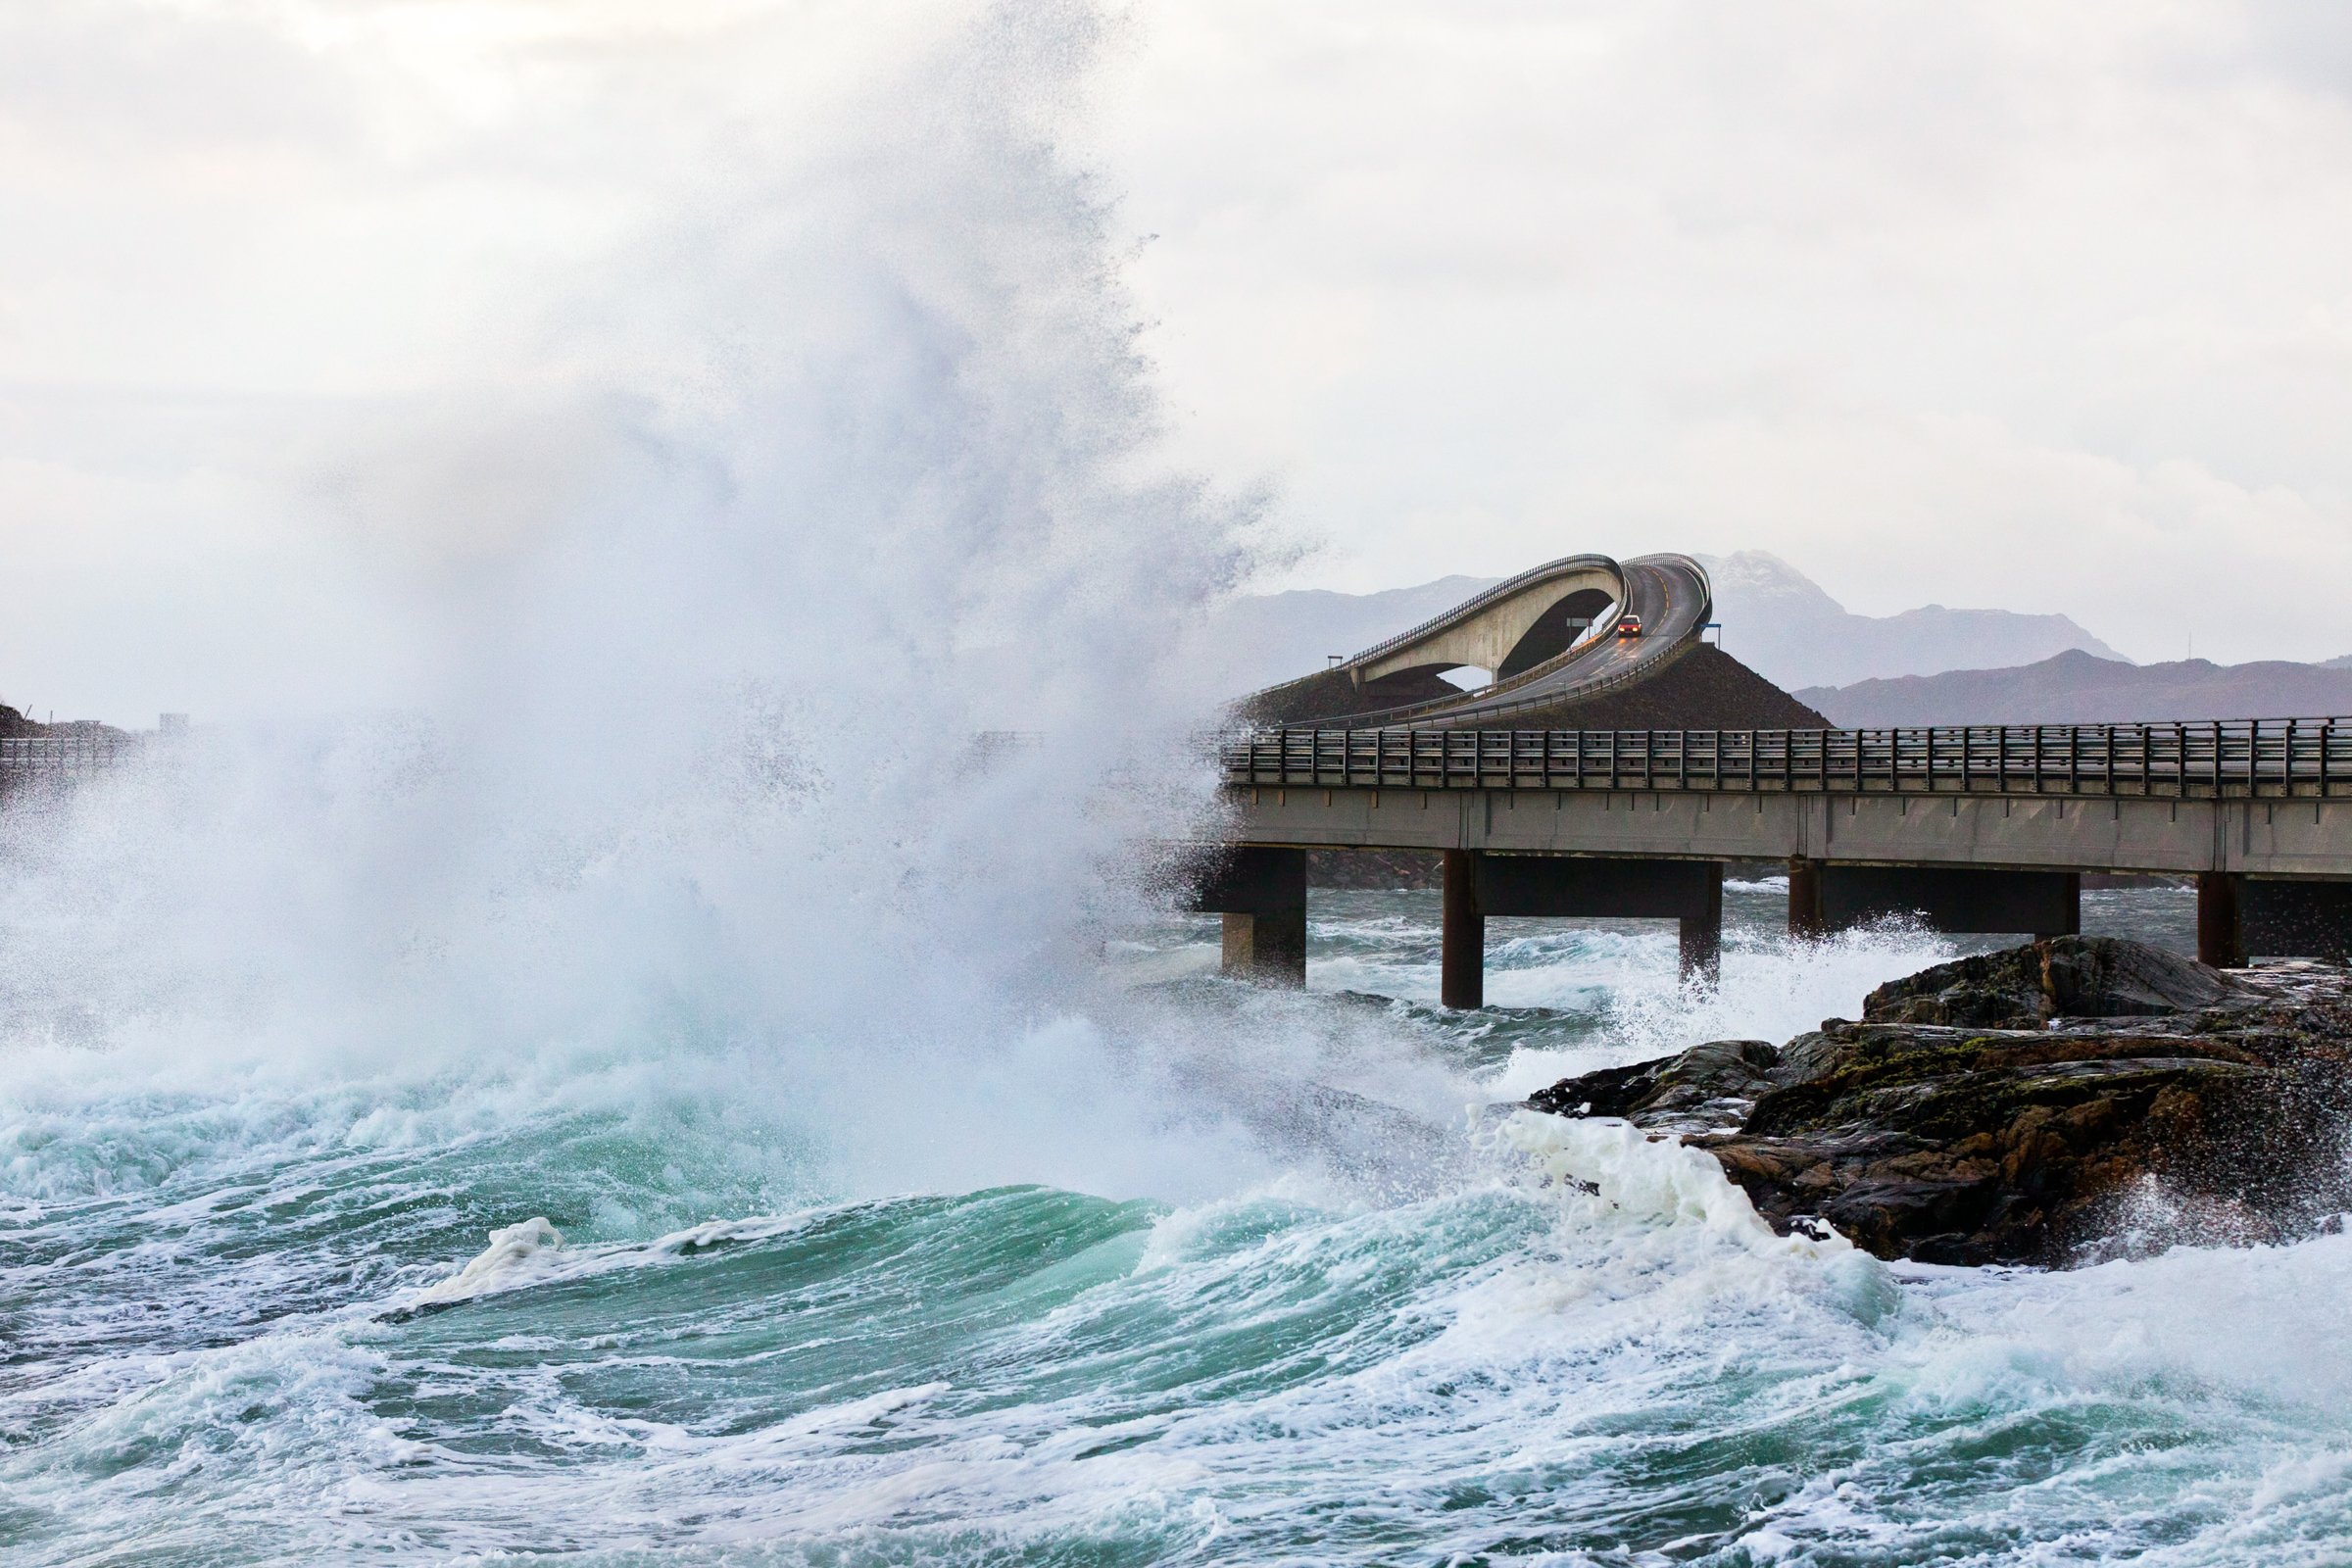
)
(2052, 1104)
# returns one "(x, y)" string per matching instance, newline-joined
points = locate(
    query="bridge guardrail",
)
(2254, 758)
(35, 758)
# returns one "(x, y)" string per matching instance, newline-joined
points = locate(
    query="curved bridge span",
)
(1546, 636)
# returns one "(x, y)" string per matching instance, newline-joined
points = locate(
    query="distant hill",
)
(1776, 621)
(2076, 688)
(1782, 625)
(1259, 639)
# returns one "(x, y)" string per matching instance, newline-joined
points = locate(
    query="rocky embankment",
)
(2050, 1105)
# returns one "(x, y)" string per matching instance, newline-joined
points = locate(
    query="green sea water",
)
(1312, 1308)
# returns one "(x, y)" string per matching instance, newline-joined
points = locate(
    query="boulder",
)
(2069, 1099)
(1703, 1088)
(2025, 988)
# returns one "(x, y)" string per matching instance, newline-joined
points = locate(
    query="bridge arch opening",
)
(1555, 631)
(1420, 683)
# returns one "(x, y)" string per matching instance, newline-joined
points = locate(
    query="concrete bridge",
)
(1545, 636)
(1984, 829)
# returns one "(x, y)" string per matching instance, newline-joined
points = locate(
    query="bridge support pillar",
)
(1270, 949)
(1805, 918)
(2221, 920)
(2284, 919)
(1263, 895)
(1702, 930)
(2039, 904)
(1462, 937)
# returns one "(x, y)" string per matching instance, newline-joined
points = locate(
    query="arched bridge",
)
(1546, 636)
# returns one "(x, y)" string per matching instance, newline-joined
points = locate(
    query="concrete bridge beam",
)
(1827, 897)
(1489, 636)
(1479, 885)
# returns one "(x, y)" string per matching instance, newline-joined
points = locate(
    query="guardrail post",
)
(1462, 940)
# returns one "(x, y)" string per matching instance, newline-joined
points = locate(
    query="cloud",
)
(2006, 303)
(1488, 285)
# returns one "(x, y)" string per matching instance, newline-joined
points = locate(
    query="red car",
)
(1628, 625)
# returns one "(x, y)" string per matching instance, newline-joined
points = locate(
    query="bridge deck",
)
(2270, 799)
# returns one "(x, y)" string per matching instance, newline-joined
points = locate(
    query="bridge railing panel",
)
(2260, 758)
(27, 760)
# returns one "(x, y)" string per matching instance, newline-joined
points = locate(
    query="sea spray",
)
(695, 779)
(674, 912)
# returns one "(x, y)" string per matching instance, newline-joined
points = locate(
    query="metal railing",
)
(61, 759)
(2253, 757)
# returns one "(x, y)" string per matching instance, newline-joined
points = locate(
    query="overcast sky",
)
(2043, 307)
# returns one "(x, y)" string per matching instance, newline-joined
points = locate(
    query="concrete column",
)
(1703, 931)
(2221, 921)
(1462, 952)
(1805, 918)
(1270, 949)
(2070, 914)
(1263, 895)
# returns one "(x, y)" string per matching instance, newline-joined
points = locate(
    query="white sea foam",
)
(692, 895)
(516, 1255)
(1650, 1176)
(1771, 988)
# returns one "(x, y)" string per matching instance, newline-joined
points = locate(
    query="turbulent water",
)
(665, 1093)
(622, 1307)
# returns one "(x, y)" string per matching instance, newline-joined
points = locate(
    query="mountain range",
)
(1784, 627)
(2076, 688)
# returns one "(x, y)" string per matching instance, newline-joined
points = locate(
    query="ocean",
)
(585, 1057)
(1272, 1278)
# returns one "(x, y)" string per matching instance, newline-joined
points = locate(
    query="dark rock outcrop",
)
(2056, 1103)
(2025, 988)
(1705, 688)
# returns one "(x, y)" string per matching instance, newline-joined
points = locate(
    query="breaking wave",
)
(676, 1095)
